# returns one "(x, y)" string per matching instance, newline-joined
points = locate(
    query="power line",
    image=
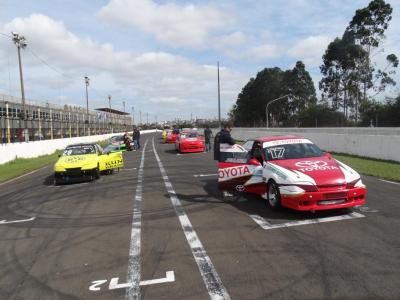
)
(9, 36)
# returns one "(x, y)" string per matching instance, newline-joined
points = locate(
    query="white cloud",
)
(172, 24)
(264, 51)
(310, 49)
(158, 77)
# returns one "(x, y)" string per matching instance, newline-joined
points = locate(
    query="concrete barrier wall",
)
(380, 143)
(9, 152)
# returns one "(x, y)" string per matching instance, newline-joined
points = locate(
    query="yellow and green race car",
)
(85, 162)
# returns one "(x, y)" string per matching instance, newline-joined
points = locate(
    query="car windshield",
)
(293, 151)
(79, 150)
(118, 138)
(191, 135)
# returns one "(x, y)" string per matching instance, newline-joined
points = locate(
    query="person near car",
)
(136, 133)
(223, 137)
(207, 138)
(127, 142)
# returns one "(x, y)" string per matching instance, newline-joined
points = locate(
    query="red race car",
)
(190, 142)
(290, 171)
(171, 136)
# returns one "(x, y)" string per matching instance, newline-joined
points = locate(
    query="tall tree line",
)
(350, 77)
(351, 81)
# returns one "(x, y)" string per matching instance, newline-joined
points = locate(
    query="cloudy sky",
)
(160, 56)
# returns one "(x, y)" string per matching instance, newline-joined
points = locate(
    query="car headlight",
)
(355, 184)
(291, 190)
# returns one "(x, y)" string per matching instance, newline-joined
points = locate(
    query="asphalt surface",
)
(83, 239)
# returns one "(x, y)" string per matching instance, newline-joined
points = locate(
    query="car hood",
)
(75, 161)
(324, 170)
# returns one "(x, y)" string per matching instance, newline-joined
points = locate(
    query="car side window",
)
(248, 145)
(257, 153)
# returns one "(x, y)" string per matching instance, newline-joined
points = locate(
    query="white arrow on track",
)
(17, 221)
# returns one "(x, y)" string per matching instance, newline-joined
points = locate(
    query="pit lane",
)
(82, 233)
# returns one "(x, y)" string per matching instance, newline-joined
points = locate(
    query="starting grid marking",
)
(114, 282)
(264, 224)
(17, 221)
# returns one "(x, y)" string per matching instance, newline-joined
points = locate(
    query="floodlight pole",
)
(269, 103)
(87, 80)
(20, 42)
(219, 98)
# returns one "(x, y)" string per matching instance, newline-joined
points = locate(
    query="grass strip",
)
(21, 166)
(379, 168)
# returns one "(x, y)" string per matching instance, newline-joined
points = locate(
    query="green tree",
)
(269, 84)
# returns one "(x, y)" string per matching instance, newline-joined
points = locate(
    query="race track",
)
(159, 229)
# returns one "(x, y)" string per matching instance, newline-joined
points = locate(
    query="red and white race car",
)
(171, 136)
(190, 142)
(290, 171)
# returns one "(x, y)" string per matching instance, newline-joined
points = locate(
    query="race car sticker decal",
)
(285, 142)
(309, 166)
(234, 172)
(276, 152)
(74, 159)
(233, 153)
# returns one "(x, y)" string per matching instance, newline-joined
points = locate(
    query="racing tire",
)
(97, 173)
(57, 182)
(273, 196)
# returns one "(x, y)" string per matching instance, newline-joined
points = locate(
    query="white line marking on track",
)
(128, 169)
(133, 277)
(17, 221)
(205, 175)
(264, 224)
(114, 282)
(211, 279)
(169, 277)
(388, 181)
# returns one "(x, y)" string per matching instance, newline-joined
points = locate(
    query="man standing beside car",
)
(223, 137)
(207, 138)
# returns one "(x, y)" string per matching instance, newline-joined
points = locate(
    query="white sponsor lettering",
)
(309, 166)
(234, 172)
(286, 142)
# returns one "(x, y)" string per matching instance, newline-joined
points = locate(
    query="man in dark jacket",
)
(223, 137)
(207, 138)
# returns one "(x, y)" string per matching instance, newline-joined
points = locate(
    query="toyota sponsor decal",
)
(235, 172)
(317, 165)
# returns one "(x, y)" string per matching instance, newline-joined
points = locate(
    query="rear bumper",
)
(335, 199)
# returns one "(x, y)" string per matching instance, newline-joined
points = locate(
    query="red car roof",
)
(278, 137)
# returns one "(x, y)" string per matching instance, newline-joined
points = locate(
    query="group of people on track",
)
(135, 139)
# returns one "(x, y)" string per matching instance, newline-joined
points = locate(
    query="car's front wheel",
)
(273, 196)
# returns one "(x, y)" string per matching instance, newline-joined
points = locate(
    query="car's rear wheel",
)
(97, 173)
(273, 196)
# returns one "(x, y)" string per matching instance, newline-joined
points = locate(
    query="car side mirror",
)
(328, 155)
(254, 161)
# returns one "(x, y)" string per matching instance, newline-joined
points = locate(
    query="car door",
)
(238, 170)
(109, 161)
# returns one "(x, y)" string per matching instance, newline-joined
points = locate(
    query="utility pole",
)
(20, 42)
(123, 104)
(219, 99)
(133, 115)
(109, 106)
(87, 79)
(140, 114)
(147, 118)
